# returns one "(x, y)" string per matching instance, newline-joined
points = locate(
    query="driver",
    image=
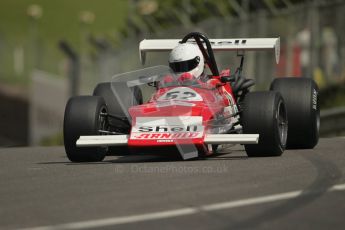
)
(187, 61)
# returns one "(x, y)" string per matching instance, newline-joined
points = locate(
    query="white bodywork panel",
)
(102, 140)
(226, 44)
(231, 139)
(117, 140)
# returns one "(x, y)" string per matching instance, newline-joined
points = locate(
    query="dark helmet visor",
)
(185, 66)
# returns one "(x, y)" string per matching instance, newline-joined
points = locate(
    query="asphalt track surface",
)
(303, 189)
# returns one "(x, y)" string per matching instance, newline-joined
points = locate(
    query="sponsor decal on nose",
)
(167, 128)
(181, 135)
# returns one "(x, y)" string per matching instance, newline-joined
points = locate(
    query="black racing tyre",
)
(119, 103)
(83, 117)
(303, 109)
(264, 113)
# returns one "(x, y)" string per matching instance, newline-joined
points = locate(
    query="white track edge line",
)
(178, 212)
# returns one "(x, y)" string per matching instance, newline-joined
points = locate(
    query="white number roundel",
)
(181, 93)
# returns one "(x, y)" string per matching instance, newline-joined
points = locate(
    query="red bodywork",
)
(215, 98)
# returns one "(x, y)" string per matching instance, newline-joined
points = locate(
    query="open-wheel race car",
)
(192, 117)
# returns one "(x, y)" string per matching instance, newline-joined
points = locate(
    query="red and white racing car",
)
(190, 117)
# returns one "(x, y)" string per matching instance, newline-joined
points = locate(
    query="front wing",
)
(122, 140)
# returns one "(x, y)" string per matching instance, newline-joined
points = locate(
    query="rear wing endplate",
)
(234, 44)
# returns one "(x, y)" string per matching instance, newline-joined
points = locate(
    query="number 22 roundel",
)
(181, 93)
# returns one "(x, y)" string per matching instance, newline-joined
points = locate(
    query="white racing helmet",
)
(187, 58)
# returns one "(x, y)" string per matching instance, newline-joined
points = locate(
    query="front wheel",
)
(84, 115)
(264, 113)
(119, 98)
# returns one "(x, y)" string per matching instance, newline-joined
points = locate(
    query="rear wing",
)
(234, 44)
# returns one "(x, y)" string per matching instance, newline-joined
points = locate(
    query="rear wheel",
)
(264, 113)
(84, 115)
(303, 110)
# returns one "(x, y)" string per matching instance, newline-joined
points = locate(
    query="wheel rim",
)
(282, 123)
(318, 122)
(103, 121)
(103, 125)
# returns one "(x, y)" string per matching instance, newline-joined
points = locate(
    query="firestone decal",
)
(314, 99)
